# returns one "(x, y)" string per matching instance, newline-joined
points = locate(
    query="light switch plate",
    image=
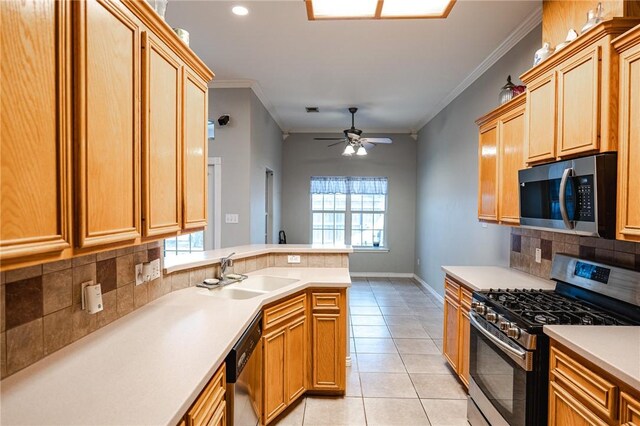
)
(293, 258)
(231, 218)
(538, 255)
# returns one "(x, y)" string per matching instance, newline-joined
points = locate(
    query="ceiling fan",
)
(355, 143)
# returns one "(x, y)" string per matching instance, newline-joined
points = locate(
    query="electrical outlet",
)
(155, 269)
(538, 255)
(484, 224)
(139, 274)
(231, 218)
(293, 258)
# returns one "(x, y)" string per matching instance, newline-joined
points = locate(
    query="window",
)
(184, 244)
(349, 210)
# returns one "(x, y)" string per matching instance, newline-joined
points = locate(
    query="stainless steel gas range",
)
(509, 354)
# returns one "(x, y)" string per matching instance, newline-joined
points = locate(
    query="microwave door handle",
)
(563, 198)
(518, 356)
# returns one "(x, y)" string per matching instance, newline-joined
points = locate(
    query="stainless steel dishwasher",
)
(244, 377)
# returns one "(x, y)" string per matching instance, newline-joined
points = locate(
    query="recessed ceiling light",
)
(378, 9)
(240, 10)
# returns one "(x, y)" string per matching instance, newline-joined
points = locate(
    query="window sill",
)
(370, 249)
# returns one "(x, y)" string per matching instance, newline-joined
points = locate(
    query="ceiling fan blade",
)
(328, 139)
(368, 145)
(378, 140)
(337, 143)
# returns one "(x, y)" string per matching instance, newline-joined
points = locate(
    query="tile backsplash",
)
(40, 306)
(524, 243)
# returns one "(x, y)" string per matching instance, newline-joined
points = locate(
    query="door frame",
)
(215, 217)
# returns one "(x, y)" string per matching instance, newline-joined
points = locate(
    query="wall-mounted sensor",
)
(224, 119)
(91, 297)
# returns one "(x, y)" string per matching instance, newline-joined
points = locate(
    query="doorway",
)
(214, 185)
(268, 207)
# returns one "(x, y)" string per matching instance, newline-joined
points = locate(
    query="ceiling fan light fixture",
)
(361, 151)
(348, 151)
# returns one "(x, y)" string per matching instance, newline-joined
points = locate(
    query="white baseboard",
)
(381, 274)
(430, 289)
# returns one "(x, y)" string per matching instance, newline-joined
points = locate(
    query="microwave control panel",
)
(584, 198)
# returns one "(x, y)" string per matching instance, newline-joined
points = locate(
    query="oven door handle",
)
(522, 357)
(563, 198)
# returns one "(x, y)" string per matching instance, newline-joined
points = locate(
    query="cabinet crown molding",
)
(628, 39)
(502, 109)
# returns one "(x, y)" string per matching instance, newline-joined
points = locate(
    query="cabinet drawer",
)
(465, 299)
(325, 301)
(629, 410)
(276, 314)
(207, 404)
(600, 394)
(452, 290)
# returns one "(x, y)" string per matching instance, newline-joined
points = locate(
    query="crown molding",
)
(532, 21)
(257, 89)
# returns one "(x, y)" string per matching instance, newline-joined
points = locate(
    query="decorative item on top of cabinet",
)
(457, 328)
(572, 97)
(501, 156)
(582, 393)
(506, 92)
(628, 45)
(35, 134)
(107, 131)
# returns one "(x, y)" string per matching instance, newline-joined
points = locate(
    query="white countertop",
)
(147, 367)
(203, 258)
(482, 278)
(615, 349)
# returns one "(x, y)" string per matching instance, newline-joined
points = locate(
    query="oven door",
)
(500, 374)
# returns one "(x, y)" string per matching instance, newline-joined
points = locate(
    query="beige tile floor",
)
(398, 375)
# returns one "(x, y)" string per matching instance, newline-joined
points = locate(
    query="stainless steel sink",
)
(264, 283)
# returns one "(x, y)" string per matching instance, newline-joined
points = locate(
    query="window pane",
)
(367, 238)
(317, 221)
(381, 238)
(170, 244)
(339, 237)
(356, 238)
(339, 223)
(379, 202)
(356, 202)
(316, 201)
(367, 202)
(356, 220)
(378, 221)
(341, 202)
(183, 243)
(197, 241)
(328, 202)
(328, 220)
(367, 221)
(317, 237)
(328, 237)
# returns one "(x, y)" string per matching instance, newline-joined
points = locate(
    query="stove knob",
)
(481, 309)
(514, 332)
(492, 316)
(504, 325)
(474, 305)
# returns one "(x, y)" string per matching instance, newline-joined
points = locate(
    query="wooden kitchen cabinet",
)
(457, 328)
(572, 97)
(210, 406)
(501, 156)
(194, 182)
(161, 138)
(274, 346)
(628, 227)
(297, 358)
(107, 65)
(35, 134)
(328, 341)
(581, 393)
(137, 118)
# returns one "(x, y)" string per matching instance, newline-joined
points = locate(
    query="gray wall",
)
(251, 142)
(303, 157)
(448, 231)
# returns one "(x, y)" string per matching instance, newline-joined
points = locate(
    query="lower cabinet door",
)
(450, 338)
(326, 342)
(296, 360)
(275, 387)
(463, 347)
(629, 410)
(565, 410)
(219, 417)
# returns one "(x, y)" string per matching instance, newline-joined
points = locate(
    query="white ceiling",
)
(398, 72)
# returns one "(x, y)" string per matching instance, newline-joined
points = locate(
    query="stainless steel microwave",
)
(573, 196)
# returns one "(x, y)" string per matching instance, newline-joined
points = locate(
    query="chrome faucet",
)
(224, 263)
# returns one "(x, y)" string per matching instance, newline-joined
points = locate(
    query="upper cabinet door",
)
(511, 129)
(161, 139)
(195, 152)
(541, 119)
(108, 154)
(629, 149)
(35, 130)
(488, 173)
(579, 103)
